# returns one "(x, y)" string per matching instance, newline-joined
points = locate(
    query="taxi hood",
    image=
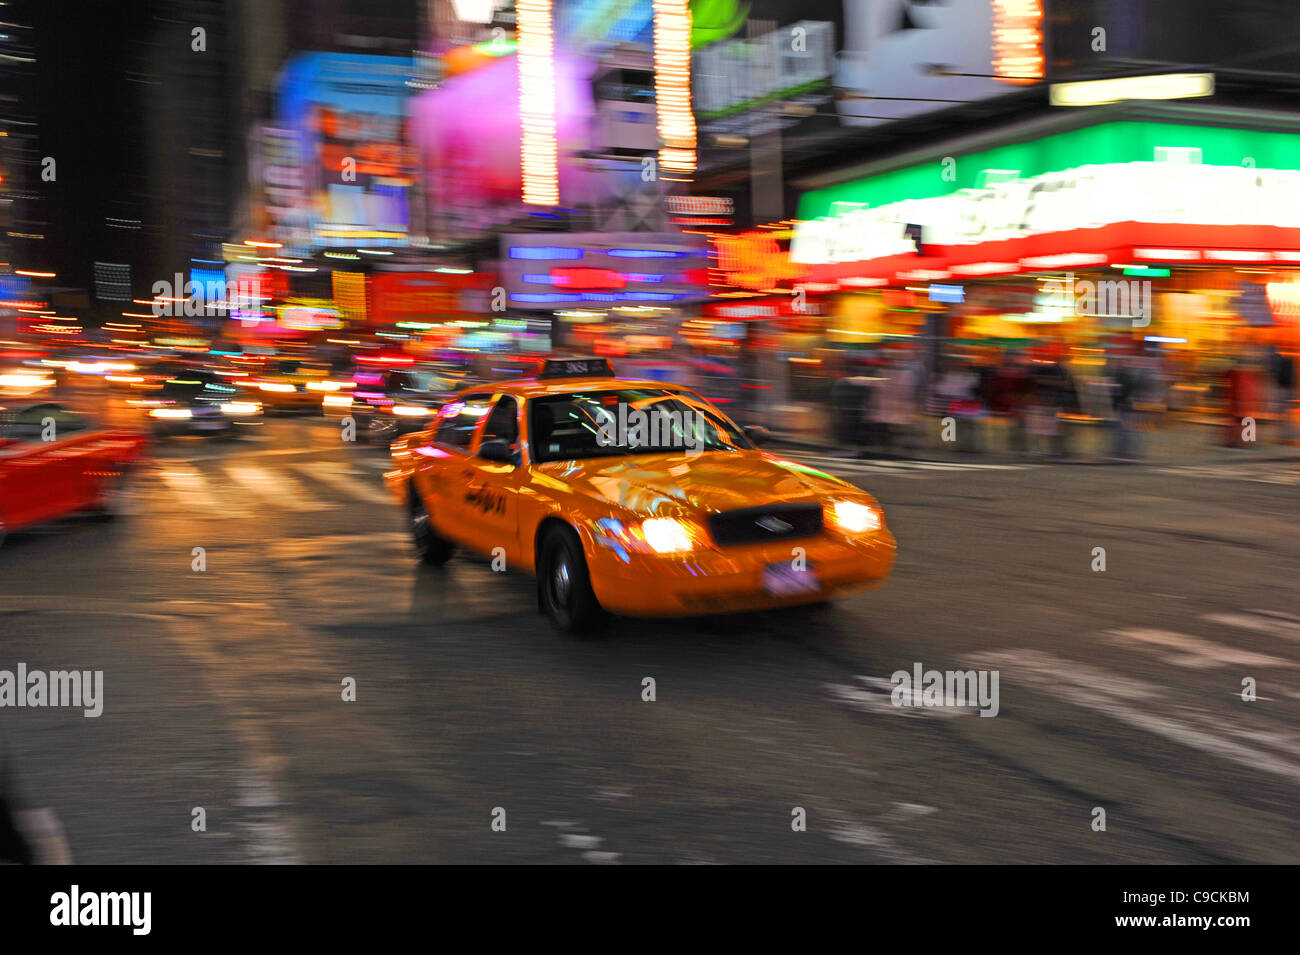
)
(667, 484)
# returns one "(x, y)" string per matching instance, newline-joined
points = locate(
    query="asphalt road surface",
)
(1120, 690)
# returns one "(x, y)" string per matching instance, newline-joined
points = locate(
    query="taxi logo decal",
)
(486, 501)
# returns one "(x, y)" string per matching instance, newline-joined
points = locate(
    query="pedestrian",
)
(1283, 382)
(1127, 384)
(1242, 397)
(893, 403)
(1048, 400)
(958, 389)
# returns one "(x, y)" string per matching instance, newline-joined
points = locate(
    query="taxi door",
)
(441, 467)
(491, 487)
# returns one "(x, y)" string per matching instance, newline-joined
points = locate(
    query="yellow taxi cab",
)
(292, 384)
(630, 497)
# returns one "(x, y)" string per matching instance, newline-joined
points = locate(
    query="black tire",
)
(431, 548)
(564, 584)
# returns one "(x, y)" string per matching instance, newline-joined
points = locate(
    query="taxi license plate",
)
(782, 580)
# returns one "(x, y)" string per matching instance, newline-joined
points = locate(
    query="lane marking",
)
(1262, 621)
(844, 829)
(877, 697)
(195, 492)
(1191, 652)
(269, 837)
(1067, 680)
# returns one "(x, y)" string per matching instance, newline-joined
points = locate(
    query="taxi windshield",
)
(627, 421)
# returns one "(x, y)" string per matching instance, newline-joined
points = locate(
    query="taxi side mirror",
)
(757, 433)
(497, 451)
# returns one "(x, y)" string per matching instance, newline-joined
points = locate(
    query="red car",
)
(55, 462)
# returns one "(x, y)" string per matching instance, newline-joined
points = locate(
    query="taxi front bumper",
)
(732, 579)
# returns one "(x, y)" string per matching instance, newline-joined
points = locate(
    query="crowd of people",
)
(1041, 395)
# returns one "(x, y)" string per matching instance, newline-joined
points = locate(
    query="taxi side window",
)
(503, 423)
(456, 430)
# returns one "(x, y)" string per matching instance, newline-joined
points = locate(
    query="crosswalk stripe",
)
(1069, 681)
(343, 479)
(1191, 652)
(195, 492)
(277, 488)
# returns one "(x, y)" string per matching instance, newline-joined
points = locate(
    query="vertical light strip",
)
(673, 85)
(538, 149)
(1018, 40)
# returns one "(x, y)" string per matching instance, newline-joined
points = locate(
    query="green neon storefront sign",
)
(1115, 142)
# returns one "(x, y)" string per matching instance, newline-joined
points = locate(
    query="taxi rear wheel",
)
(564, 584)
(431, 548)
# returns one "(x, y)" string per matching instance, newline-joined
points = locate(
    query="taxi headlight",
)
(240, 408)
(665, 535)
(323, 386)
(21, 380)
(170, 413)
(275, 386)
(855, 518)
(411, 411)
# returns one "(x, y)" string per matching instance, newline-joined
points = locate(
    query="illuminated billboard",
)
(349, 114)
(468, 133)
(563, 270)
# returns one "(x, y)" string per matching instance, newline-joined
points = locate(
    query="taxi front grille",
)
(770, 522)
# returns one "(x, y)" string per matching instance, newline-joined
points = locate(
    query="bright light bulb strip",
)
(539, 151)
(672, 38)
(1018, 40)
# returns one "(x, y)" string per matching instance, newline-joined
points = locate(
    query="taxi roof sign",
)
(576, 368)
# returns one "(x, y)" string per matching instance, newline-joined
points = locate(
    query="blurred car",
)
(293, 384)
(387, 403)
(552, 474)
(55, 462)
(26, 381)
(201, 403)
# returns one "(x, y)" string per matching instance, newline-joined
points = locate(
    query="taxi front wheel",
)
(564, 585)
